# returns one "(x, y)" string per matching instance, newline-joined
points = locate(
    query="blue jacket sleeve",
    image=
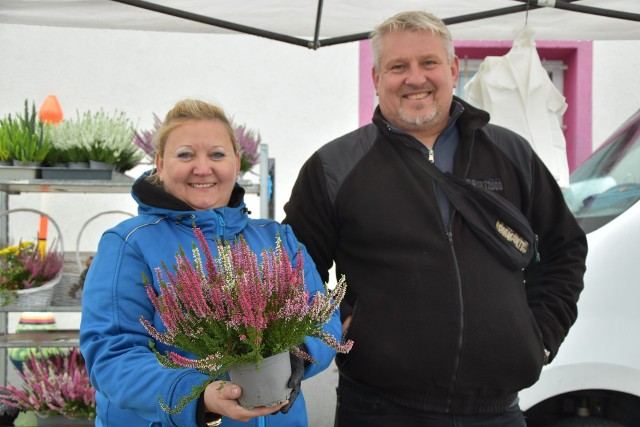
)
(116, 346)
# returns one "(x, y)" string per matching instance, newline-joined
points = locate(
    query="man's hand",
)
(297, 373)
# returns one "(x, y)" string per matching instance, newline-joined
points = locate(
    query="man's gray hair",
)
(410, 21)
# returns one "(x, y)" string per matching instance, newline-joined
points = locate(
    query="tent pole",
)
(447, 21)
(215, 22)
(533, 4)
(316, 33)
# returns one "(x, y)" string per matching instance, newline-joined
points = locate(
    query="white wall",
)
(296, 98)
(616, 85)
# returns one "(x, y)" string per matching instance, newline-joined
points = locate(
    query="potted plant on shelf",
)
(68, 144)
(5, 159)
(144, 138)
(111, 140)
(99, 138)
(28, 276)
(24, 139)
(52, 386)
(249, 142)
(234, 311)
(4, 154)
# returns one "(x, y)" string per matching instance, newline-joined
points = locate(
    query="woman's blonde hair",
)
(410, 21)
(183, 111)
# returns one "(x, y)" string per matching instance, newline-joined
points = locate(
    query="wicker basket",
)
(34, 299)
(39, 298)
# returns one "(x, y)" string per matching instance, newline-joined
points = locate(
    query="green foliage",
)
(4, 143)
(24, 138)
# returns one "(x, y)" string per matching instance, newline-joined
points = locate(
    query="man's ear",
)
(375, 76)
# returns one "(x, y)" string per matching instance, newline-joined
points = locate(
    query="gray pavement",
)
(320, 397)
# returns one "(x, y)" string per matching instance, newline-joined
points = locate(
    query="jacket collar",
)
(154, 200)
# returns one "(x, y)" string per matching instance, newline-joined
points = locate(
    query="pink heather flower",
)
(57, 384)
(190, 280)
(230, 306)
(144, 139)
(249, 142)
(23, 266)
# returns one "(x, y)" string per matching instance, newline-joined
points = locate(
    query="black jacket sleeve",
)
(309, 213)
(555, 282)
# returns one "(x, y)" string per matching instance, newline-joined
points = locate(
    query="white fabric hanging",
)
(518, 94)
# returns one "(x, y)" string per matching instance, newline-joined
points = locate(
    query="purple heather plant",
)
(234, 310)
(53, 385)
(144, 139)
(24, 267)
(249, 142)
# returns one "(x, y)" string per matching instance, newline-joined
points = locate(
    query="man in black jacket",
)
(446, 333)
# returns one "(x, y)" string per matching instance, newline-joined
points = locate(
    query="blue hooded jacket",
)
(124, 371)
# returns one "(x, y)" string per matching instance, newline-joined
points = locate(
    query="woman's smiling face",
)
(199, 165)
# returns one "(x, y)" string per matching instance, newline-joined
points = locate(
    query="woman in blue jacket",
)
(193, 184)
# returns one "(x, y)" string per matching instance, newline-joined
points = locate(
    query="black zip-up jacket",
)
(439, 323)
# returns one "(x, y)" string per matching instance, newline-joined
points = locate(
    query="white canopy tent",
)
(318, 23)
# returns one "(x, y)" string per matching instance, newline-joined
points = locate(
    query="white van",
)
(595, 378)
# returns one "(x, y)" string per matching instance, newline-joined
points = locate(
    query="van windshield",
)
(608, 183)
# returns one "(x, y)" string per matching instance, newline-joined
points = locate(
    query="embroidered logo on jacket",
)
(512, 237)
(493, 184)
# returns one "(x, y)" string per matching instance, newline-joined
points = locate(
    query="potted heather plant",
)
(52, 386)
(236, 312)
(68, 144)
(110, 140)
(249, 142)
(97, 137)
(144, 138)
(24, 270)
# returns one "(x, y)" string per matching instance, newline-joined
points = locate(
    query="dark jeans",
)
(359, 407)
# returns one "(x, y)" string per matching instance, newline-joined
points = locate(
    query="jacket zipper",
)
(456, 365)
(221, 225)
(432, 155)
(261, 422)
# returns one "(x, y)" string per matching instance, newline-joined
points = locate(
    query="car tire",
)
(586, 422)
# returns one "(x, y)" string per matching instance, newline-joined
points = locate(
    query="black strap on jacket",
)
(499, 224)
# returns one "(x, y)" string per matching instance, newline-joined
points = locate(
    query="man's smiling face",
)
(415, 81)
